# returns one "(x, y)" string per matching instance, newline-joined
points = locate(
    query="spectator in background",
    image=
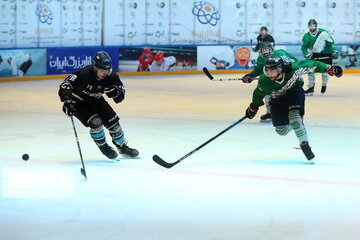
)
(184, 63)
(1, 60)
(162, 63)
(145, 60)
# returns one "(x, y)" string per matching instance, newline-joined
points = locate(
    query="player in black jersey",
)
(263, 37)
(82, 93)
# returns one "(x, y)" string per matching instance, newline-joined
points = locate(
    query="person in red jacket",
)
(145, 60)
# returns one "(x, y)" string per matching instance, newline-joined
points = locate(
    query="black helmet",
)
(102, 60)
(263, 28)
(312, 22)
(266, 49)
(273, 63)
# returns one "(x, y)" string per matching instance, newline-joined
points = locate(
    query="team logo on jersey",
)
(44, 13)
(206, 13)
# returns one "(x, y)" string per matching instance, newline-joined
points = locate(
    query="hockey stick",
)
(319, 58)
(342, 55)
(82, 170)
(211, 77)
(161, 162)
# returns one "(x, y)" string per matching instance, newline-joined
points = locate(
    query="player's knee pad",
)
(283, 130)
(95, 122)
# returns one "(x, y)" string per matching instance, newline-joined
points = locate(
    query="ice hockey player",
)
(145, 60)
(283, 81)
(264, 36)
(162, 63)
(265, 51)
(317, 44)
(82, 93)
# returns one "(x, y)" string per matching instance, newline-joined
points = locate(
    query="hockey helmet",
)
(159, 56)
(146, 50)
(263, 29)
(312, 22)
(273, 66)
(266, 49)
(102, 60)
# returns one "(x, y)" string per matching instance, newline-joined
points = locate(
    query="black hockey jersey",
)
(83, 85)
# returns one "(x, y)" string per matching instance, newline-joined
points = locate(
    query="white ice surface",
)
(248, 184)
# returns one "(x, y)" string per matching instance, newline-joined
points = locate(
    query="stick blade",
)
(208, 74)
(161, 162)
(82, 171)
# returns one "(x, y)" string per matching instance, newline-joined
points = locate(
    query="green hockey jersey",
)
(321, 42)
(291, 81)
(287, 57)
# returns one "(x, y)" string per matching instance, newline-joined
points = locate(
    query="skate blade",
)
(124, 156)
(118, 159)
(265, 121)
(309, 94)
(311, 162)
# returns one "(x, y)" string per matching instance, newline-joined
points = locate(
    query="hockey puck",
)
(25, 157)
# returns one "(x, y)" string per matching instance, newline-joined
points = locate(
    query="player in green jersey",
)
(265, 51)
(318, 45)
(283, 82)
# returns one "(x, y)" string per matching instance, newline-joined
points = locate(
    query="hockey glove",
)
(335, 54)
(251, 111)
(248, 78)
(307, 56)
(69, 108)
(334, 70)
(112, 91)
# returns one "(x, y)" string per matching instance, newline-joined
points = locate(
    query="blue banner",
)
(69, 60)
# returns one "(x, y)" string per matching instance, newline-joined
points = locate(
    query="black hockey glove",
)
(335, 70)
(251, 111)
(248, 78)
(69, 107)
(112, 91)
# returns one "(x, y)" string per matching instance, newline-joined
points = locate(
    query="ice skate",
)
(127, 152)
(310, 91)
(323, 89)
(108, 151)
(307, 151)
(265, 118)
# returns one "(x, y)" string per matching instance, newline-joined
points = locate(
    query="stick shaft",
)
(212, 139)
(165, 164)
(78, 145)
(211, 77)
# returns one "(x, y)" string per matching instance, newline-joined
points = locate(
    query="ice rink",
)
(248, 184)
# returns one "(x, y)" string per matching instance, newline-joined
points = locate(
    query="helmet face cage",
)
(266, 51)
